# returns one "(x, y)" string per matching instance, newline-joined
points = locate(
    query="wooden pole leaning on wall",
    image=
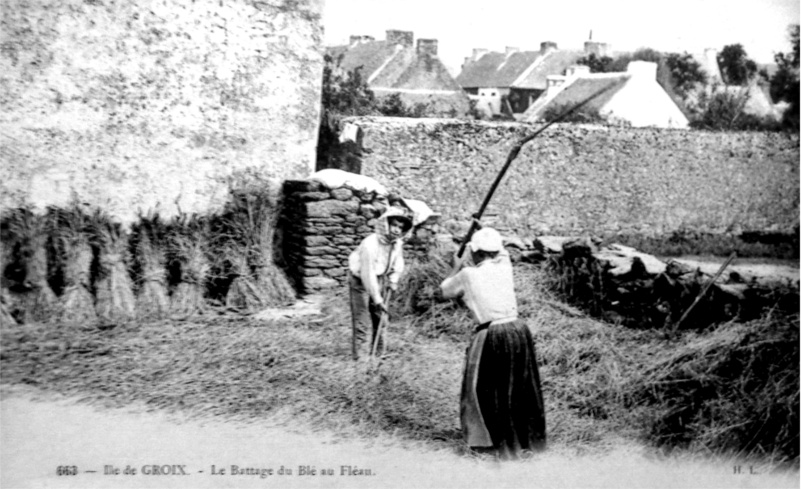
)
(513, 154)
(703, 292)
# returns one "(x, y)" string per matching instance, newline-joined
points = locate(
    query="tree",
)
(685, 72)
(597, 64)
(736, 67)
(784, 83)
(345, 93)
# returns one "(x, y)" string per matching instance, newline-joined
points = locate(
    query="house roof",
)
(514, 66)
(553, 63)
(480, 73)
(496, 69)
(369, 55)
(579, 90)
(389, 68)
(409, 70)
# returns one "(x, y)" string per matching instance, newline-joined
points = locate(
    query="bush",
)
(723, 111)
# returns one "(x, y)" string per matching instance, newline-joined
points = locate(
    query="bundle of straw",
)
(75, 253)
(272, 279)
(244, 294)
(189, 251)
(115, 298)
(36, 302)
(152, 301)
(6, 318)
(247, 225)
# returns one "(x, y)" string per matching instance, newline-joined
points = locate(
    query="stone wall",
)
(577, 179)
(321, 227)
(155, 104)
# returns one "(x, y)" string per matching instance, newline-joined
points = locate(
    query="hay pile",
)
(243, 233)
(736, 387)
(419, 297)
(114, 296)
(244, 294)
(6, 303)
(187, 242)
(148, 243)
(31, 297)
(75, 257)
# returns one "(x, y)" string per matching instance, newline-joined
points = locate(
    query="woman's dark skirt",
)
(501, 402)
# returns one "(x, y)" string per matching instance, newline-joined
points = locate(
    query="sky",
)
(671, 26)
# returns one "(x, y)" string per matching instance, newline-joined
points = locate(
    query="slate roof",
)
(553, 63)
(369, 55)
(480, 73)
(584, 87)
(387, 65)
(579, 90)
(514, 66)
(408, 70)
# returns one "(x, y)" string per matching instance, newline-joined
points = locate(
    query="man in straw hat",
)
(375, 266)
(502, 410)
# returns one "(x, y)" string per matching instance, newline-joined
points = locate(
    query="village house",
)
(634, 97)
(508, 83)
(396, 66)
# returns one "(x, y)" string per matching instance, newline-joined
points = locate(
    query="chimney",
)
(577, 70)
(404, 38)
(599, 49)
(427, 47)
(510, 51)
(547, 46)
(478, 53)
(644, 70)
(360, 39)
(554, 81)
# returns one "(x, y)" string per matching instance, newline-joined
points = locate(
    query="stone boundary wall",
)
(584, 179)
(159, 105)
(320, 228)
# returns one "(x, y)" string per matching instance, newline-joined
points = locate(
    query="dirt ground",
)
(42, 432)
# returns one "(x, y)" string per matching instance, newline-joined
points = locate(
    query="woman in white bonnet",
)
(502, 410)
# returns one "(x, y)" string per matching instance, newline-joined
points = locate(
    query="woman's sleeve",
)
(368, 272)
(398, 266)
(453, 287)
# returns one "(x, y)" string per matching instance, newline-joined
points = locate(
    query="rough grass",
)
(601, 383)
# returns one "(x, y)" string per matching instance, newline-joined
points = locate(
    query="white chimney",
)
(642, 70)
(577, 70)
(510, 51)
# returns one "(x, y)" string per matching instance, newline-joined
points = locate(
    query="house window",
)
(492, 94)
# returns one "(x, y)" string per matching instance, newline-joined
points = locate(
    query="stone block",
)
(320, 262)
(309, 272)
(321, 250)
(293, 186)
(311, 196)
(342, 193)
(335, 272)
(320, 283)
(312, 241)
(329, 208)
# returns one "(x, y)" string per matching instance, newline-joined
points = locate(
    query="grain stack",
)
(75, 255)
(115, 300)
(152, 300)
(188, 246)
(32, 298)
